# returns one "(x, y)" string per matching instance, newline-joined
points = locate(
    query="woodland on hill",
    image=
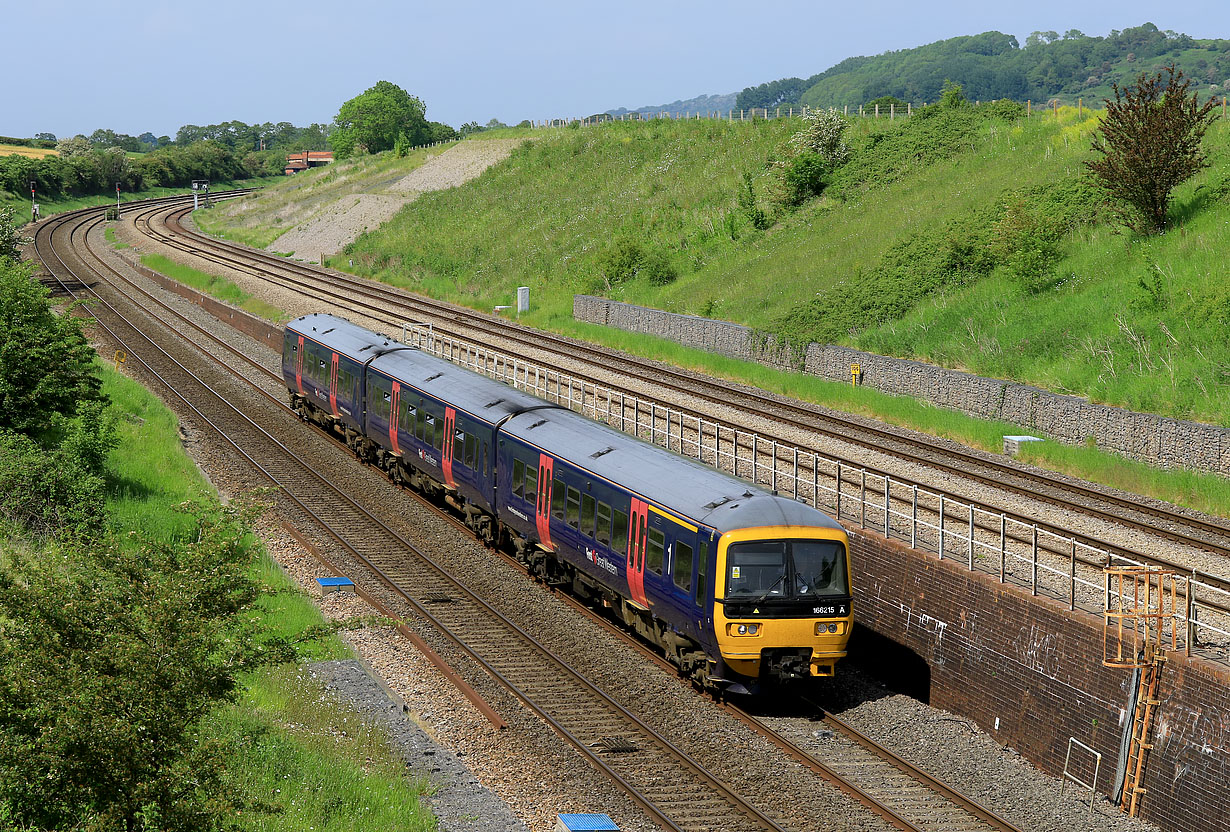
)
(993, 65)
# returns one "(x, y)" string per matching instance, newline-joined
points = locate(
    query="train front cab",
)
(782, 605)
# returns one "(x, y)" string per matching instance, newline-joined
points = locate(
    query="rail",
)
(984, 540)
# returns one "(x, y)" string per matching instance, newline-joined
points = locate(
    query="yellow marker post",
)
(121, 357)
(856, 371)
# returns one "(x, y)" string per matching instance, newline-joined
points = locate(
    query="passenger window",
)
(459, 449)
(405, 419)
(682, 566)
(421, 424)
(486, 461)
(518, 481)
(471, 450)
(574, 507)
(604, 523)
(440, 435)
(429, 433)
(587, 514)
(653, 557)
(619, 532)
(701, 566)
(559, 496)
(384, 404)
(531, 484)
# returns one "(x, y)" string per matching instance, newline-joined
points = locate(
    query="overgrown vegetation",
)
(133, 636)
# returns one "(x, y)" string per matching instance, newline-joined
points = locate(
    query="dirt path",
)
(340, 223)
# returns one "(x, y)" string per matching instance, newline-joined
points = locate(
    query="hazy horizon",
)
(158, 69)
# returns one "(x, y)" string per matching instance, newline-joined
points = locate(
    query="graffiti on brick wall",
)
(1038, 649)
(1201, 733)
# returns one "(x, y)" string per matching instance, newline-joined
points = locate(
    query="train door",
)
(394, 407)
(679, 578)
(333, 385)
(546, 468)
(450, 422)
(299, 366)
(639, 518)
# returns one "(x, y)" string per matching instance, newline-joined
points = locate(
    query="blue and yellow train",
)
(735, 584)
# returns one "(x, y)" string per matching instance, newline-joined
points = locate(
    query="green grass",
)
(214, 286)
(299, 761)
(1203, 492)
(109, 235)
(547, 217)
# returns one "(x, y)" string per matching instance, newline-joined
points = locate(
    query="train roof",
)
(340, 334)
(482, 397)
(684, 485)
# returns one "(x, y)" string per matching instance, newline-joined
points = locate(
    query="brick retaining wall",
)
(1069, 419)
(991, 651)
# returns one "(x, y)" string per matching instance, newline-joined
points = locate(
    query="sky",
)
(157, 66)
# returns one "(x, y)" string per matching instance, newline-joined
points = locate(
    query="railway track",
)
(394, 307)
(628, 751)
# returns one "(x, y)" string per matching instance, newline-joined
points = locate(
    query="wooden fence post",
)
(1029, 108)
(877, 111)
(892, 111)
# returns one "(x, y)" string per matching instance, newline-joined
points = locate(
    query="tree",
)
(1150, 142)
(371, 122)
(11, 240)
(45, 137)
(46, 363)
(111, 653)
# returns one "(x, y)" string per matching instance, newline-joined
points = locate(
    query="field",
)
(32, 152)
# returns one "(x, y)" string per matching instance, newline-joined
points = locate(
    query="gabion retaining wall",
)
(1070, 419)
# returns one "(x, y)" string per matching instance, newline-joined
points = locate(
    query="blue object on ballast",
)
(335, 582)
(586, 823)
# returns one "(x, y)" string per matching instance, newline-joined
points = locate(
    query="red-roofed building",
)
(296, 162)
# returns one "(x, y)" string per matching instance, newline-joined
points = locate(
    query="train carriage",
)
(735, 584)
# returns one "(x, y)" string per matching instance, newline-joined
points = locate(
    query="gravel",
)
(335, 225)
(457, 799)
(527, 766)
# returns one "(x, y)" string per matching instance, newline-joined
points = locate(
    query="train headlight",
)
(744, 629)
(831, 627)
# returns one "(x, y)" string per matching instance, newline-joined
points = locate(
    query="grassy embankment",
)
(551, 216)
(218, 287)
(289, 201)
(300, 762)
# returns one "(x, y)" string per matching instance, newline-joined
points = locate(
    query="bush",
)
(803, 177)
(627, 259)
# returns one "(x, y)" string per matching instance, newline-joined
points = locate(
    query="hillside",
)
(912, 252)
(993, 65)
(699, 104)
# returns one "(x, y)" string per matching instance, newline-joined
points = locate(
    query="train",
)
(740, 588)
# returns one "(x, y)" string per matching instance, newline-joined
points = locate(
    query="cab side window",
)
(587, 514)
(604, 523)
(682, 566)
(619, 532)
(574, 508)
(518, 479)
(653, 557)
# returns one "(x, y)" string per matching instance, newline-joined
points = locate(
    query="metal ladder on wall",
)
(1142, 730)
(1141, 609)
